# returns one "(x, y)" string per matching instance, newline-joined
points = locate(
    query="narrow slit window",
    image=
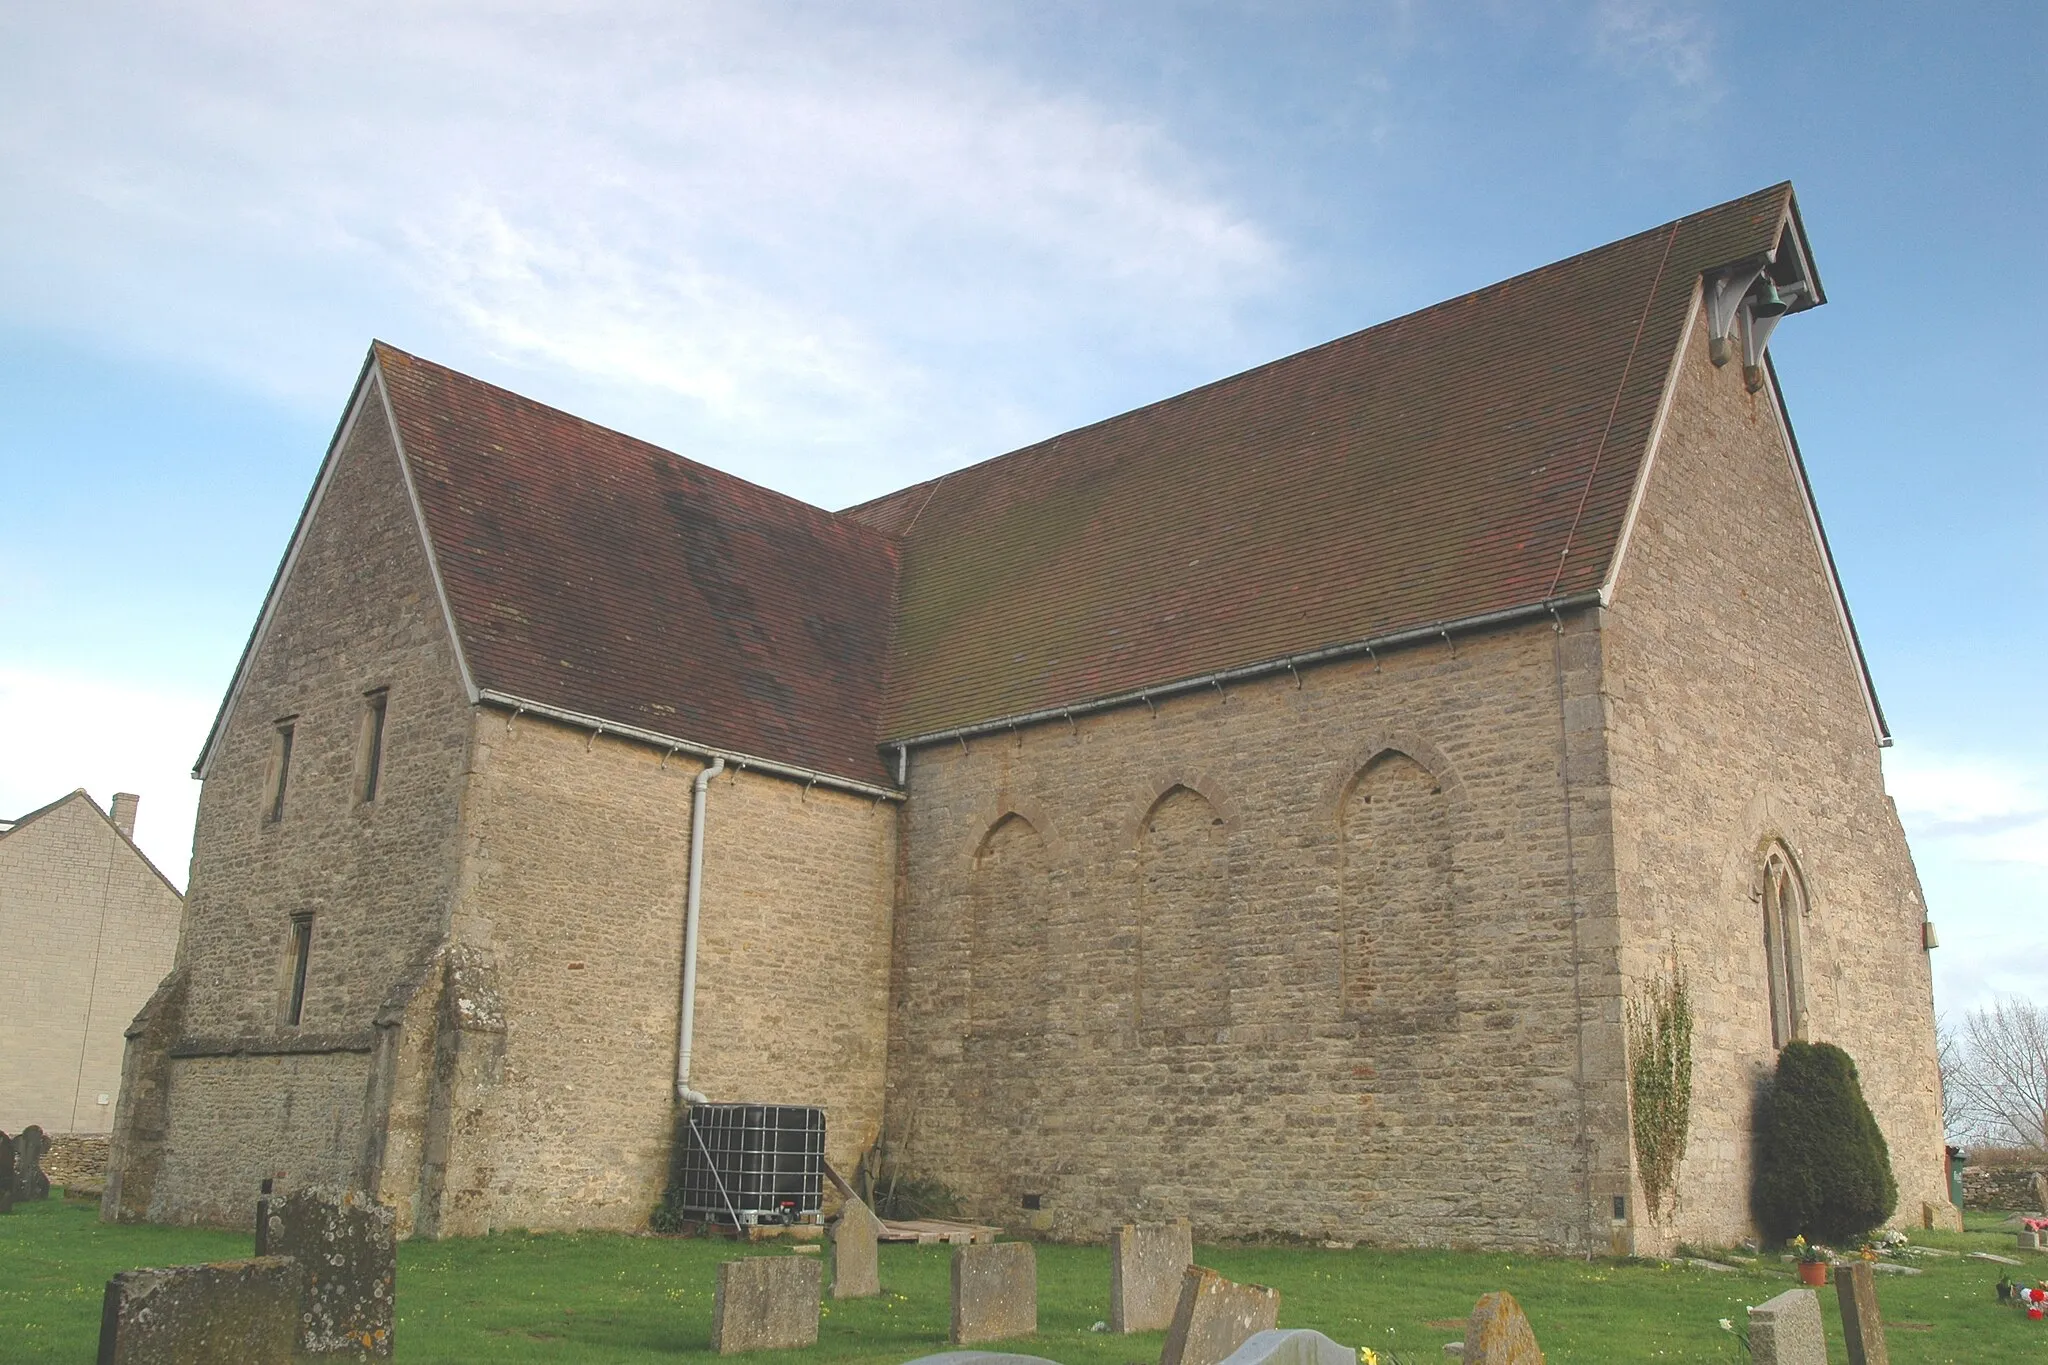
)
(370, 745)
(280, 769)
(1784, 905)
(301, 955)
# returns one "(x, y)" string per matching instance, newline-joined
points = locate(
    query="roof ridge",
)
(1673, 226)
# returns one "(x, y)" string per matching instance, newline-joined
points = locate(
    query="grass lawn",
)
(631, 1299)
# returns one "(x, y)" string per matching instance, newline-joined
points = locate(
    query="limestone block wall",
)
(575, 862)
(1737, 724)
(1297, 957)
(90, 927)
(250, 1095)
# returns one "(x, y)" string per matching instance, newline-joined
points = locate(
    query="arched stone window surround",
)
(1354, 976)
(1162, 786)
(1779, 890)
(1184, 946)
(1007, 942)
(1338, 789)
(991, 820)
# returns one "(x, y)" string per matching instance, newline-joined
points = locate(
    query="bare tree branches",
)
(1994, 1075)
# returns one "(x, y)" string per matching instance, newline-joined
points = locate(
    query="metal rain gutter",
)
(1441, 630)
(808, 776)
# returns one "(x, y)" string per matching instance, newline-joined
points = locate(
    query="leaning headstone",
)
(856, 1259)
(1856, 1287)
(241, 1311)
(6, 1174)
(1298, 1346)
(765, 1303)
(1786, 1331)
(1146, 1263)
(29, 1181)
(348, 1244)
(1498, 1333)
(1215, 1316)
(995, 1292)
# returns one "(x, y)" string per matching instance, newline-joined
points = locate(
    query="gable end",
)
(369, 391)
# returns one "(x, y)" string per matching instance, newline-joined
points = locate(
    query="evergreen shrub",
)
(1823, 1171)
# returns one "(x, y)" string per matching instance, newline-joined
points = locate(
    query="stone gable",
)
(249, 1095)
(1737, 722)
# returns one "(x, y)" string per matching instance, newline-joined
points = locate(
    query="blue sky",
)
(839, 252)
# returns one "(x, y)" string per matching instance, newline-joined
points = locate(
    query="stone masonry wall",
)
(1737, 721)
(249, 1095)
(576, 854)
(90, 929)
(1296, 957)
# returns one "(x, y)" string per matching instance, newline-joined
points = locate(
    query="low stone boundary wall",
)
(77, 1159)
(1999, 1188)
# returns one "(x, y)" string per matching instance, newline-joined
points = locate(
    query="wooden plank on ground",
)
(932, 1231)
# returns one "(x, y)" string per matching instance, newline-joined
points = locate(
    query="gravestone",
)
(6, 1174)
(29, 1181)
(1146, 1263)
(241, 1311)
(1786, 1331)
(348, 1244)
(856, 1258)
(995, 1292)
(765, 1303)
(2030, 1240)
(1863, 1329)
(1298, 1346)
(1215, 1316)
(1498, 1333)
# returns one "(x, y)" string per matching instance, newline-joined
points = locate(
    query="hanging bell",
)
(1765, 301)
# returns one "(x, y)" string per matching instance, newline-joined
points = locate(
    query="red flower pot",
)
(1813, 1272)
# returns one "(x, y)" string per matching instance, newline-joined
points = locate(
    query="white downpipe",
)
(687, 1025)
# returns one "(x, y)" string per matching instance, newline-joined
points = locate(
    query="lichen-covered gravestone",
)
(246, 1312)
(856, 1256)
(765, 1303)
(1146, 1263)
(995, 1292)
(1786, 1331)
(348, 1244)
(6, 1174)
(30, 1183)
(1215, 1316)
(1862, 1327)
(1498, 1333)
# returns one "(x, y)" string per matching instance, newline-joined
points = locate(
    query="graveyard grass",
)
(518, 1297)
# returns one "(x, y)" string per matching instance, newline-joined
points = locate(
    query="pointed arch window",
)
(1784, 905)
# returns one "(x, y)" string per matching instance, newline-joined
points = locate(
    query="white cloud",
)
(59, 733)
(1658, 41)
(779, 215)
(1986, 810)
(1978, 826)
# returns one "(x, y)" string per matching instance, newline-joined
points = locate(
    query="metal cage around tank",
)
(744, 1164)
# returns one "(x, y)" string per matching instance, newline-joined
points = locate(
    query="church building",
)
(1262, 806)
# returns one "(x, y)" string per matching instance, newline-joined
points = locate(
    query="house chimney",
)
(124, 812)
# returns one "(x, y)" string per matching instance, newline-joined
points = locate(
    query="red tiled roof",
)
(1435, 467)
(602, 575)
(1431, 468)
